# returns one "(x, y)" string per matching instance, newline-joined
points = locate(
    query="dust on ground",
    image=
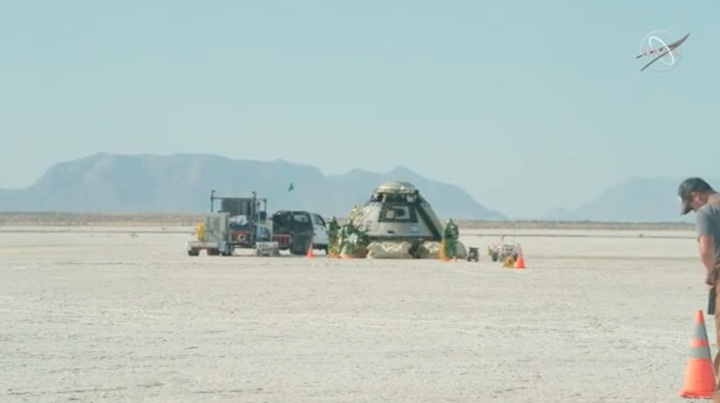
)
(94, 316)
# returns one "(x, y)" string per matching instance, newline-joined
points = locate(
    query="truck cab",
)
(247, 220)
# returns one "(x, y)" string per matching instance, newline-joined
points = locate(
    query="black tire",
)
(494, 257)
(193, 252)
(300, 245)
(298, 248)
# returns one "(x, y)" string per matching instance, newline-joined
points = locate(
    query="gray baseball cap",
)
(688, 186)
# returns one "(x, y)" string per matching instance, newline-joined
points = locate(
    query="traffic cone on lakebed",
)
(520, 262)
(310, 254)
(699, 374)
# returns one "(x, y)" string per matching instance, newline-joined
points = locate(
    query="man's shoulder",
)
(707, 213)
(712, 206)
(708, 216)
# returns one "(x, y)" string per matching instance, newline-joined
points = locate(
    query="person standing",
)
(333, 238)
(449, 240)
(697, 195)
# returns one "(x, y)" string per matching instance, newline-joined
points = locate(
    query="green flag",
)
(291, 187)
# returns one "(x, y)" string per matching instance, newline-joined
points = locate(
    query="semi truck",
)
(242, 223)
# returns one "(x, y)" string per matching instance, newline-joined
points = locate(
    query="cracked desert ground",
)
(124, 315)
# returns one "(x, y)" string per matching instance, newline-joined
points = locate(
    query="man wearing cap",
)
(697, 195)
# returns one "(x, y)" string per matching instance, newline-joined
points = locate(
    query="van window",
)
(301, 218)
(318, 220)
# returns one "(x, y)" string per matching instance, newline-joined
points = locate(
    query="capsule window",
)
(397, 214)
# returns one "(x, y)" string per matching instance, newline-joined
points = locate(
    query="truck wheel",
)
(494, 257)
(193, 252)
(299, 248)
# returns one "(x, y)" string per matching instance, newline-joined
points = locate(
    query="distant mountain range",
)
(182, 183)
(634, 200)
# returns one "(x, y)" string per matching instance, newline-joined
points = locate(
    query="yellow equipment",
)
(200, 231)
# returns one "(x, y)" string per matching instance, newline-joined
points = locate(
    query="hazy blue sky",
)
(528, 105)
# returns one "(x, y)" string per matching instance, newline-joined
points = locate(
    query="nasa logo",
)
(663, 50)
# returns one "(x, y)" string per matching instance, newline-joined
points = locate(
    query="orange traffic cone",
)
(699, 374)
(520, 262)
(310, 254)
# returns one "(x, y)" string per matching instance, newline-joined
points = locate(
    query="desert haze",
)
(109, 313)
(182, 183)
(75, 219)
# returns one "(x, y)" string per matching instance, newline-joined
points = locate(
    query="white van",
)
(320, 235)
